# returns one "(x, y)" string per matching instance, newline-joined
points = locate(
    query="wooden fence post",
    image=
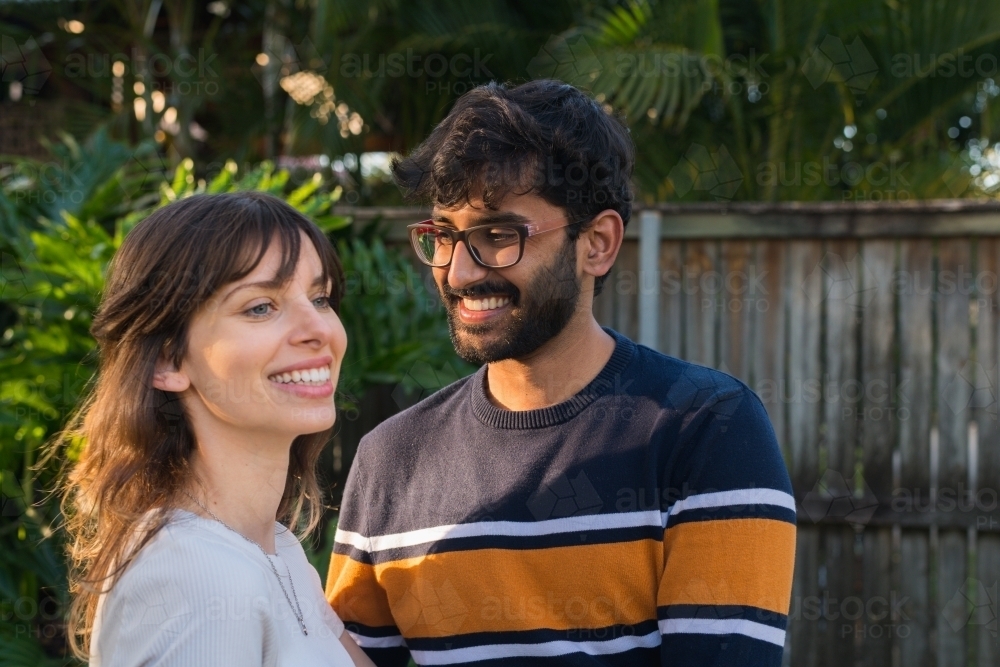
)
(649, 278)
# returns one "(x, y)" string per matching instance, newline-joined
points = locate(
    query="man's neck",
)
(555, 372)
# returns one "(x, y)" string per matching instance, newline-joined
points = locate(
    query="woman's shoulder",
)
(192, 555)
(189, 590)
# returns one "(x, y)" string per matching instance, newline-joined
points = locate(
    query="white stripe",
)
(738, 497)
(571, 524)
(365, 641)
(543, 650)
(723, 626)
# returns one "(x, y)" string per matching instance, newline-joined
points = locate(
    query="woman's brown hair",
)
(136, 440)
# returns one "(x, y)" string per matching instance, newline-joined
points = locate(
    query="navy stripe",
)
(533, 637)
(733, 512)
(735, 650)
(638, 657)
(514, 543)
(389, 657)
(372, 631)
(755, 614)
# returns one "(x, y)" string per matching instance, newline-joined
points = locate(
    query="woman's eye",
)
(324, 301)
(254, 310)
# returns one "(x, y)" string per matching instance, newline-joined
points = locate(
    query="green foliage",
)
(393, 322)
(54, 262)
(729, 99)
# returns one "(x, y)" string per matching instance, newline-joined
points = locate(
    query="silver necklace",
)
(296, 609)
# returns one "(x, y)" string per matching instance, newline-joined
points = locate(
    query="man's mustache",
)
(479, 290)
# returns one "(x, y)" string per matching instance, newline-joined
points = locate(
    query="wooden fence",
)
(872, 334)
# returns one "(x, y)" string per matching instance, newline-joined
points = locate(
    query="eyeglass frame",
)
(524, 230)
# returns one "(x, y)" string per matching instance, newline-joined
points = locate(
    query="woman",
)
(220, 347)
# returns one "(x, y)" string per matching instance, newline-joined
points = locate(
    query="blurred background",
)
(816, 213)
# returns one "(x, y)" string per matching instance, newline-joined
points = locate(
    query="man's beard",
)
(534, 319)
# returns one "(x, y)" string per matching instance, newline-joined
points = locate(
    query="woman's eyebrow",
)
(273, 283)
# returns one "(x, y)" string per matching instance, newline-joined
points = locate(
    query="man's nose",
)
(463, 270)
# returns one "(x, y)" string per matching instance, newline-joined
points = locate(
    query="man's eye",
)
(501, 236)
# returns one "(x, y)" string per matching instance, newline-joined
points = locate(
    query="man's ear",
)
(602, 241)
(167, 377)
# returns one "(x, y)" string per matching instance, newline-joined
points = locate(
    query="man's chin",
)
(478, 344)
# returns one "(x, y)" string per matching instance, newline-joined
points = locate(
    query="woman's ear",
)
(167, 377)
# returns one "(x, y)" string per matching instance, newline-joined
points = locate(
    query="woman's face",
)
(265, 359)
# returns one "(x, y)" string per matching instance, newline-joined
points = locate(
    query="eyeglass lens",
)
(493, 246)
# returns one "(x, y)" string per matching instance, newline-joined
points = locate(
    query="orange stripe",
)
(730, 562)
(355, 595)
(500, 590)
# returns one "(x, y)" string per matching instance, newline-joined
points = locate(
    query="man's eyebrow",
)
(491, 217)
(273, 283)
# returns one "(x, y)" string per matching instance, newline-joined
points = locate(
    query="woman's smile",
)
(308, 379)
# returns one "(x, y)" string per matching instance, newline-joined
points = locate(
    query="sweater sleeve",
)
(181, 604)
(352, 585)
(729, 539)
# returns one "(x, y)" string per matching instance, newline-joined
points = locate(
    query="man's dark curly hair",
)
(544, 136)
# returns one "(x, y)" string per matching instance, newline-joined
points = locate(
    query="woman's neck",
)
(242, 484)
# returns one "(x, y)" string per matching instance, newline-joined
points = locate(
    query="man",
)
(580, 500)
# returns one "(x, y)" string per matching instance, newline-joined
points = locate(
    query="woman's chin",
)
(314, 420)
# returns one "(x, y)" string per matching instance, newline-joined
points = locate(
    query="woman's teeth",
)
(491, 303)
(314, 376)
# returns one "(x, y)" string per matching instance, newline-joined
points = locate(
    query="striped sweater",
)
(647, 520)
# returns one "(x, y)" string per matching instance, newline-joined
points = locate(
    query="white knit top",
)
(198, 594)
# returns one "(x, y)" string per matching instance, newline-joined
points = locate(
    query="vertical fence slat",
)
(840, 400)
(839, 379)
(878, 336)
(987, 646)
(605, 302)
(986, 624)
(671, 298)
(954, 397)
(700, 261)
(735, 309)
(769, 330)
(804, 313)
(915, 355)
(804, 644)
(840, 574)
(627, 297)
(875, 267)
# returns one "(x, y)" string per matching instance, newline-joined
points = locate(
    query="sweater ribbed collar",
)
(603, 384)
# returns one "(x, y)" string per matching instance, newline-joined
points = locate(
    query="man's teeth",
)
(308, 376)
(491, 303)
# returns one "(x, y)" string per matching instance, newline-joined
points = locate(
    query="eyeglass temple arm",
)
(534, 228)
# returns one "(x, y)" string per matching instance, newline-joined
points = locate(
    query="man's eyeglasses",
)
(494, 246)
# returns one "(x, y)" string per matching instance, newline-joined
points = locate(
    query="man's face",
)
(508, 313)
